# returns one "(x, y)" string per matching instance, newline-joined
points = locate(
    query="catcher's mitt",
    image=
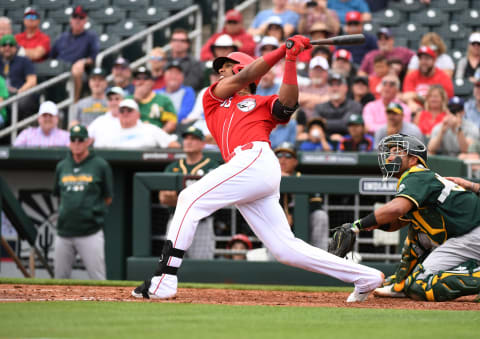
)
(343, 240)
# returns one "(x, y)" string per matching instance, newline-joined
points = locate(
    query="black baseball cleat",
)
(142, 290)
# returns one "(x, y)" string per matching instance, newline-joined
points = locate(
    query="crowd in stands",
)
(350, 96)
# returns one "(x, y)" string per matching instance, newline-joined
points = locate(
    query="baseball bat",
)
(349, 39)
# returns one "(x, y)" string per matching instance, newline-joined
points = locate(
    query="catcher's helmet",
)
(409, 143)
(239, 58)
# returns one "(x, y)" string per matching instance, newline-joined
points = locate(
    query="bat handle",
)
(289, 44)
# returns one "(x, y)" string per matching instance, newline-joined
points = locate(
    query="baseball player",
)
(436, 206)
(240, 123)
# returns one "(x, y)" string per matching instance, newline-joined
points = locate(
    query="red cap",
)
(343, 54)
(353, 16)
(240, 237)
(80, 12)
(233, 15)
(426, 50)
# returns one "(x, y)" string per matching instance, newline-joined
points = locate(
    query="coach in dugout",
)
(84, 183)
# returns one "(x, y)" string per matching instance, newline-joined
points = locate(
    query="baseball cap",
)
(79, 12)
(319, 27)
(384, 31)
(455, 104)
(394, 107)
(195, 132)
(342, 54)
(474, 37)
(97, 71)
(31, 11)
(78, 131)
(115, 90)
(426, 50)
(223, 40)
(336, 77)
(173, 64)
(361, 79)
(129, 103)
(242, 238)
(121, 61)
(286, 147)
(48, 107)
(233, 15)
(268, 41)
(8, 39)
(319, 61)
(353, 16)
(142, 70)
(274, 20)
(355, 119)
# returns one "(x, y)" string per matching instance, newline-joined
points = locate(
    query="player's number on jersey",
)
(448, 187)
(226, 103)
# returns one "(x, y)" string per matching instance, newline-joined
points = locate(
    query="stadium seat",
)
(93, 26)
(51, 28)
(131, 5)
(456, 54)
(388, 17)
(90, 5)
(109, 15)
(371, 27)
(469, 17)
(407, 6)
(450, 5)
(107, 40)
(61, 15)
(460, 44)
(409, 30)
(172, 5)
(52, 4)
(51, 68)
(150, 15)
(463, 88)
(429, 17)
(15, 4)
(452, 30)
(16, 28)
(125, 28)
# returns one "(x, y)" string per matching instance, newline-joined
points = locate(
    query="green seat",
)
(94, 27)
(51, 68)
(463, 88)
(109, 15)
(51, 28)
(172, 5)
(51, 4)
(449, 5)
(125, 28)
(131, 5)
(409, 31)
(90, 5)
(430, 17)
(149, 15)
(388, 17)
(108, 40)
(15, 4)
(469, 17)
(61, 15)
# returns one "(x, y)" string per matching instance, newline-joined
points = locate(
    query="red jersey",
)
(426, 122)
(38, 39)
(416, 82)
(238, 120)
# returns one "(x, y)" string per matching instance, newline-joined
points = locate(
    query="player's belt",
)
(248, 145)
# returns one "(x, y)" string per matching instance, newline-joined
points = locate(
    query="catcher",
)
(446, 210)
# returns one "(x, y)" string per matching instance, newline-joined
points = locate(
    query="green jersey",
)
(4, 96)
(157, 109)
(200, 168)
(442, 209)
(82, 188)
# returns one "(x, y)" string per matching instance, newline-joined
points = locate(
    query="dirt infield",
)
(20, 293)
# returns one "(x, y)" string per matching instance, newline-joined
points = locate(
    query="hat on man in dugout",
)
(394, 107)
(129, 103)
(193, 131)
(355, 119)
(286, 147)
(8, 39)
(48, 107)
(78, 131)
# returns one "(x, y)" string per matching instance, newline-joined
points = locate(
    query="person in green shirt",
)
(3, 96)
(438, 207)
(194, 165)
(84, 184)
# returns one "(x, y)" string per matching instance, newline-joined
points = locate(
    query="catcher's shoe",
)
(358, 297)
(159, 287)
(388, 292)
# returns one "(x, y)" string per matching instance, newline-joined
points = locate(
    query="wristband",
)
(290, 73)
(271, 58)
(366, 222)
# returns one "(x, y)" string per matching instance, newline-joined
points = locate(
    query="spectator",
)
(157, 61)
(194, 164)
(354, 25)
(134, 133)
(5, 26)
(77, 46)
(284, 133)
(472, 106)
(319, 222)
(109, 120)
(374, 113)
(317, 138)
(396, 124)
(47, 134)
(318, 30)
(338, 109)
(342, 7)
(470, 63)
(361, 91)
(289, 19)
(182, 97)
(84, 185)
(268, 44)
(267, 85)
(221, 48)
(180, 50)
(239, 242)
(3, 96)
(95, 105)
(381, 68)
(454, 134)
(386, 47)
(342, 64)
(122, 75)
(275, 28)
(417, 82)
(19, 74)
(435, 110)
(234, 28)
(357, 139)
(156, 109)
(443, 61)
(35, 44)
(317, 91)
(314, 12)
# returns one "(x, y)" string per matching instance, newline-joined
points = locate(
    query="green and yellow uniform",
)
(199, 168)
(157, 109)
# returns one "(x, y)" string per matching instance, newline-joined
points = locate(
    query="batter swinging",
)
(241, 122)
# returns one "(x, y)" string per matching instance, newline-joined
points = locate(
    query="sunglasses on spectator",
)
(353, 23)
(179, 40)
(389, 83)
(9, 45)
(284, 155)
(156, 58)
(477, 85)
(383, 37)
(232, 22)
(76, 16)
(31, 17)
(475, 43)
(77, 139)
(142, 77)
(125, 110)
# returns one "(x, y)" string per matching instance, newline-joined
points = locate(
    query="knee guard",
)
(168, 252)
(445, 285)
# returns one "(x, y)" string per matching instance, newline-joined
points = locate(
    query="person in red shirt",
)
(416, 83)
(234, 28)
(240, 123)
(35, 44)
(435, 110)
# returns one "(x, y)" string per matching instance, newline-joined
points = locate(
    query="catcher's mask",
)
(393, 145)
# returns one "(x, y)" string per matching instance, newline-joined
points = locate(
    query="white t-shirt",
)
(444, 61)
(142, 135)
(102, 128)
